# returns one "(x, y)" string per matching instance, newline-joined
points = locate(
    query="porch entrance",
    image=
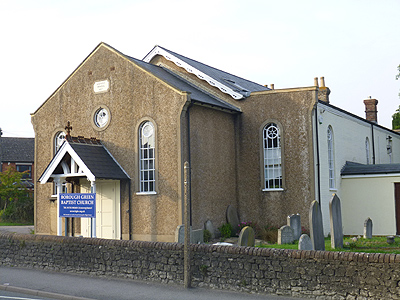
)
(107, 209)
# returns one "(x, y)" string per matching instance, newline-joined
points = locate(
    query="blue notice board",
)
(77, 205)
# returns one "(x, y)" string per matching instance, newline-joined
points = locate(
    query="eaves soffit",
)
(189, 68)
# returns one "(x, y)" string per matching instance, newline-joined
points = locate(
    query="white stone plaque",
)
(101, 86)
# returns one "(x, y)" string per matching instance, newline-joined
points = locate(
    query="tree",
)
(15, 200)
(396, 115)
(398, 74)
(396, 119)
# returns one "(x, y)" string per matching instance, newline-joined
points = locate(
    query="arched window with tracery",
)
(272, 157)
(147, 158)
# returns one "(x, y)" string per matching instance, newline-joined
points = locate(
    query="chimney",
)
(323, 91)
(371, 111)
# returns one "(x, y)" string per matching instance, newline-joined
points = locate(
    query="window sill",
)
(146, 193)
(273, 190)
(333, 190)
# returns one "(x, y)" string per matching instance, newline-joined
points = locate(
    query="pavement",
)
(71, 286)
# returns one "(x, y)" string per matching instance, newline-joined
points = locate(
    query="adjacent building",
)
(18, 153)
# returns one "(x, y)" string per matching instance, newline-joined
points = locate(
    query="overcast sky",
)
(354, 44)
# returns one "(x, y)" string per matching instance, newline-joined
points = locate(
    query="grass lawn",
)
(14, 224)
(374, 245)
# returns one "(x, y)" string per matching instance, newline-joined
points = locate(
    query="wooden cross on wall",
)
(68, 128)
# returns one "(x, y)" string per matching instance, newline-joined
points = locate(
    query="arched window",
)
(58, 140)
(272, 157)
(331, 159)
(367, 149)
(147, 157)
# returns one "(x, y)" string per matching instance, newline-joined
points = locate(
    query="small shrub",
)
(269, 233)
(226, 230)
(207, 236)
(254, 225)
(204, 270)
(305, 231)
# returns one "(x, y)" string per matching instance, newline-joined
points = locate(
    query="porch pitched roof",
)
(82, 157)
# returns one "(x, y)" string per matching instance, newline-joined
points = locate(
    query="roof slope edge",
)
(237, 87)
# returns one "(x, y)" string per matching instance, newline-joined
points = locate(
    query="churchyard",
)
(294, 236)
(377, 244)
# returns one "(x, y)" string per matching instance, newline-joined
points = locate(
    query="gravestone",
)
(294, 221)
(368, 229)
(285, 235)
(247, 237)
(305, 242)
(335, 213)
(233, 218)
(208, 225)
(316, 227)
(196, 236)
(180, 234)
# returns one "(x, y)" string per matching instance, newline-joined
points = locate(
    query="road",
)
(81, 287)
(6, 295)
(18, 229)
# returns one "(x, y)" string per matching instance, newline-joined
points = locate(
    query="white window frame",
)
(147, 161)
(331, 159)
(272, 157)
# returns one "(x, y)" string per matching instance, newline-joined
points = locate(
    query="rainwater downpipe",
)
(190, 162)
(373, 144)
(318, 162)
(130, 210)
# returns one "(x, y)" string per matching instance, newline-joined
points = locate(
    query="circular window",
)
(101, 117)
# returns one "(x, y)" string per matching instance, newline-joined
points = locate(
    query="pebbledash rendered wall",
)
(315, 274)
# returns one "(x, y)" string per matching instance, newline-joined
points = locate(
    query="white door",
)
(107, 210)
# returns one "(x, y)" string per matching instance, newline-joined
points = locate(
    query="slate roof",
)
(14, 149)
(352, 168)
(97, 158)
(357, 117)
(94, 155)
(197, 94)
(238, 84)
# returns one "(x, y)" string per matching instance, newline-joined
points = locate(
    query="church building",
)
(123, 128)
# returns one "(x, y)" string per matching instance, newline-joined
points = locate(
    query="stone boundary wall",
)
(299, 273)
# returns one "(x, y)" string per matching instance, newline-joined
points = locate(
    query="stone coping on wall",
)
(206, 248)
